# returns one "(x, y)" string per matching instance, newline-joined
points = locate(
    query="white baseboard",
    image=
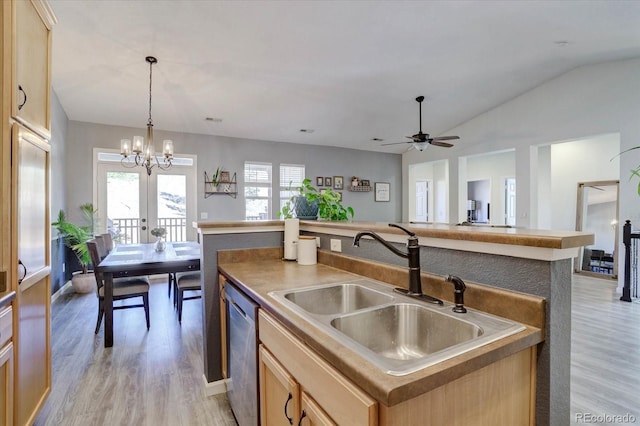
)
(61, 291)
(214, 388)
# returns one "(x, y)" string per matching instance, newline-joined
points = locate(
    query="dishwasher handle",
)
(239, 309)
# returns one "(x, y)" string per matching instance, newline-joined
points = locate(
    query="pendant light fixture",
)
(144, 151)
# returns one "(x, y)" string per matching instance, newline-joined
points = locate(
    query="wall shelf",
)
(225, 186)
(359, 188)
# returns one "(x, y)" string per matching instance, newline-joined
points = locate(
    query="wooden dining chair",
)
(123, 288)
(108, 242)
(102, 248)
(185, 281)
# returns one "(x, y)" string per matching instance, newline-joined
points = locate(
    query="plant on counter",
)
(329, 205)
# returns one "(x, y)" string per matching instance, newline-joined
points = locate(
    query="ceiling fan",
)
(421, 140)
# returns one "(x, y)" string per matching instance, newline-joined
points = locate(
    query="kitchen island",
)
(529, 261)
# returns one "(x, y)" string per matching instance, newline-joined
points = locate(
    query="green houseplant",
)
(75, 237)
(304, 204)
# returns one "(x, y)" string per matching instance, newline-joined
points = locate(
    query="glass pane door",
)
(136, 203)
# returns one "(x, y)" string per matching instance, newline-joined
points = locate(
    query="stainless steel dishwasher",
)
(242, 384)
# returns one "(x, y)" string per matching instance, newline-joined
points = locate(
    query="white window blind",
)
(291, 176)
(257, 190)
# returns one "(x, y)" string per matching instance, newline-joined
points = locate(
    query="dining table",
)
(129, 260)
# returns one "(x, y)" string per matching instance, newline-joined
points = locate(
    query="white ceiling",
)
(349, 70)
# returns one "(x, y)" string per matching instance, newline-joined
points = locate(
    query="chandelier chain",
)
(150, 80)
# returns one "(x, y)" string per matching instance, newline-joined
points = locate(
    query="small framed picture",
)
(382, 190)
(365, 182)
(327, 182)
(338, 182)
(224, 176)
(319, 181)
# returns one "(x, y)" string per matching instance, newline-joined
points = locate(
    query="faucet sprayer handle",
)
(411, 234)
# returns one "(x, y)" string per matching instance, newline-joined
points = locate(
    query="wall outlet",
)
(204, 215)
(318, 242)
(336, 245)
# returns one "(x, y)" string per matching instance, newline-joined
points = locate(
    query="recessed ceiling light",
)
(213, 119)
(307, 130)
(561, 43)
(377, 139)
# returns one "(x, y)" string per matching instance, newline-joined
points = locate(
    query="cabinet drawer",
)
(343, 401)
(6, 321)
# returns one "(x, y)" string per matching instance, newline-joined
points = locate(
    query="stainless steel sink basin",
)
(398, 334)
(337, 298)
(405, 331)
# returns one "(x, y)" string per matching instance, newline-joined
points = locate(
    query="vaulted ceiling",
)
(347, 70)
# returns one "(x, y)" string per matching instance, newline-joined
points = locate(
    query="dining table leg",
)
(108, 310)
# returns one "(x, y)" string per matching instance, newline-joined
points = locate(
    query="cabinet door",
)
(312, 414)
(6, 384)
(32, 22)
(279, 393)
(31, 259)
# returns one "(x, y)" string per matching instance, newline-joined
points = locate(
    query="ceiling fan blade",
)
(442, 144)
(446, 138)
(393, 143)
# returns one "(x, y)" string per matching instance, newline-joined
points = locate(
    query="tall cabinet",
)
(25, 61)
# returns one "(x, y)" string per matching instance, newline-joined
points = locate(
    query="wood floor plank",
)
(155, 377)
(149, 377)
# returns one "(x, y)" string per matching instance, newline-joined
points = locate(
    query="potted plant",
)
(310, 203)
(75, 237)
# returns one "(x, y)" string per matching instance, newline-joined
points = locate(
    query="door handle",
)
(25, 271)
(20, 89)
(285, 409)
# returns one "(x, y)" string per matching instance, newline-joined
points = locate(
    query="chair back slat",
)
(92, 245)
(108, 242)
(102, 248)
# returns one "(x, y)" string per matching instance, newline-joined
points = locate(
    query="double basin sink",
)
(398, 334)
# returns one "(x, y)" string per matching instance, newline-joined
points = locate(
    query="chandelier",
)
(145, 154)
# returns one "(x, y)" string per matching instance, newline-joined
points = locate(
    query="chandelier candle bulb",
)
(168, 148)
(138, 142)
(125, 147)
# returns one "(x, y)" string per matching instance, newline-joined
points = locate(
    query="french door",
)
(131, 203)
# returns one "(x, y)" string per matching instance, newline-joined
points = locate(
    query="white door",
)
(510, 201)
(422, 201)
(131, 203)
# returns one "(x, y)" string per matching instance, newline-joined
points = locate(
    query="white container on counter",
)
(307, 250)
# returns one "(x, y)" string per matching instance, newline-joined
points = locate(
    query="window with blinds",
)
(257, 190)
(291, 176)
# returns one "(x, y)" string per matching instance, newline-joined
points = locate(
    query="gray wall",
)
(58, 196)
(231, 153)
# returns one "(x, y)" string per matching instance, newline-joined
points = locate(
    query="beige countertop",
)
(539, 238)
(258, 278)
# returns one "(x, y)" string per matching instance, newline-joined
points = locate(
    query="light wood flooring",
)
(605, 352)
(149, 378)
(155, 378)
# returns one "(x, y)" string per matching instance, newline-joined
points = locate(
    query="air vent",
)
(307, 130)
(213, 119)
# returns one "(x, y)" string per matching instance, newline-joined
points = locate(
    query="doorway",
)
(423, 202)
(597, 213)
(131, 203)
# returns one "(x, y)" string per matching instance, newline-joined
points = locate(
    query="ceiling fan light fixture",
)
(420, 146)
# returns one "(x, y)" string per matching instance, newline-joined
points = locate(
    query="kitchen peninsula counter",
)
(258, 278)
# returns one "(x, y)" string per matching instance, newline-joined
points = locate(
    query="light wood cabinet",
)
(32, 21)
(31, 257)
(25, 59)
(6, 366)
(282, 402)
(329, 397)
